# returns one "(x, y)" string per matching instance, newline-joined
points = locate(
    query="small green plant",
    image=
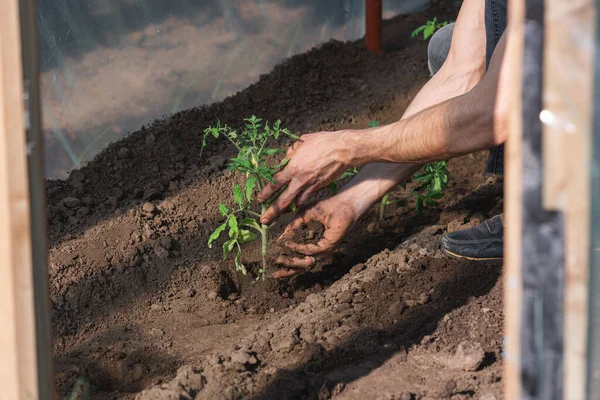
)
(434, 180)
(429, 28)
(241, 221)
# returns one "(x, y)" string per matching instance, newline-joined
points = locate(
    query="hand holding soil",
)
(333, 216)
(316, 160)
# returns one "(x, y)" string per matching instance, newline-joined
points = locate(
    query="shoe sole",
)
(495, 260)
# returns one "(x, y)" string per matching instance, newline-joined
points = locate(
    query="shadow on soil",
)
(114, 363)
(367, 349)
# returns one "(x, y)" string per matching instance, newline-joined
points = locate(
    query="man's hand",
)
(336, 215)
(315, 161)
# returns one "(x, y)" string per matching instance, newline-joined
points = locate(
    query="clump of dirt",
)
(309, 233)
(146, 310)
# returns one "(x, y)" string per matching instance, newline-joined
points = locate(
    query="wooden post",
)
(373, 23)
(513, 205)
(535, 351)
(19, 357)
(568, 102)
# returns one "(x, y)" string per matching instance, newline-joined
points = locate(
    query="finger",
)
(281, 203)
(305, 195)
(287, 272)
(296, 262)
(281, 179)
(288, 233)
(310, 249)
(292, 149)
(293, 265)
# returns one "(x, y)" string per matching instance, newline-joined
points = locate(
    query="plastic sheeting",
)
(109, 66)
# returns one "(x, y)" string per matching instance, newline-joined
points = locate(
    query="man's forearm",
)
(476, 120)
(373, 182)
(456, 127)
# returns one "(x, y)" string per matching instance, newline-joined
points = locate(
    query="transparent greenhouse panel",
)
(110, 66)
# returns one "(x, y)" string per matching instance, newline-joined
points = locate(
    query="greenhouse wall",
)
(110, 66)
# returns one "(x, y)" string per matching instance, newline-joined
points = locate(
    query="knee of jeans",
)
(439, 47)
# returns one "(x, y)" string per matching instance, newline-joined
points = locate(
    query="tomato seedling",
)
(429, 28)
(241, 221)
(434, 180)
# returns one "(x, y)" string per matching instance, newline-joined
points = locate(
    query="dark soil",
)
(310, 233)
(143, 308)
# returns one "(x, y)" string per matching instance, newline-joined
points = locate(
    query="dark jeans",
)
(439, 46)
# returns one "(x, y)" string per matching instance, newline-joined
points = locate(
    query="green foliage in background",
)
(429, 28)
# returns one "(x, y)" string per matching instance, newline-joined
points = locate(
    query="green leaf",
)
(385, 200)
(295, 137)
(238, 196)
(271, 152)
(333, 187)
(247, 236)
(421, 178)
(228, 247)
(428, 32)
(249, 187)
(293, 206)
(373, 124)
(349, 173)
(250, 222)
(223, 209)
(238, 263)
(283, 163)
(403, 185)
(437, 185)
(417, 31)
(215, 235)
(233, 226)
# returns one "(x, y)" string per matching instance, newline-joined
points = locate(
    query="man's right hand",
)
(337, 216)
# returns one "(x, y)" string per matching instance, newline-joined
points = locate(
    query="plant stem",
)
(382, 206)
(264, 230)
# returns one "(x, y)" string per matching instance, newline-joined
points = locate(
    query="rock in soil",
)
(468, 356)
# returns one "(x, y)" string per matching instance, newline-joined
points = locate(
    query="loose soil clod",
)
(309, 233)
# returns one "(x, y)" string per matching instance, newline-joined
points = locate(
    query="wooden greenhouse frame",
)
(25, 347)
(548, 199)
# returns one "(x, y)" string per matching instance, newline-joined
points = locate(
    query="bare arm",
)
(463, 69)
(458, 111)
(470, 122)
(322, 157)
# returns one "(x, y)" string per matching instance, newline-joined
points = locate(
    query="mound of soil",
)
(144, 309)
